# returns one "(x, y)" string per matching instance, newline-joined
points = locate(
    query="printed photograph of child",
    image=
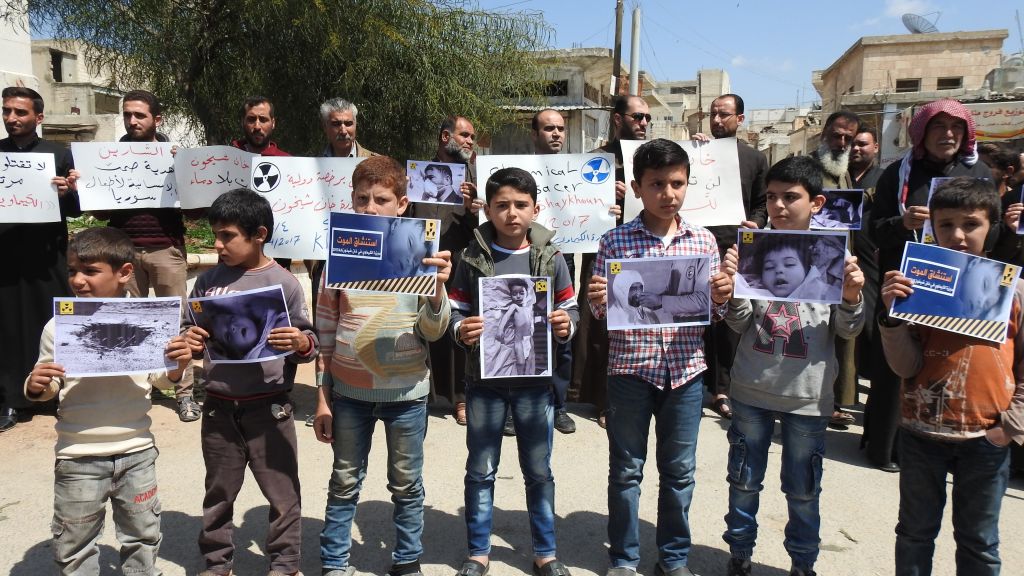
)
(842, 210)
(517, 337)
(791, 266)
(240, 322)
(435, 182)
(658, 292)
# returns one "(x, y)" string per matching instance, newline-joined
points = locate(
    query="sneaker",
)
(738, 567)
(563, 422)
(188, 410)
(801, 572)
(510, 428)
(310, 420)
(620, 571)
(841, 419)
(659, 570)
(346, 571)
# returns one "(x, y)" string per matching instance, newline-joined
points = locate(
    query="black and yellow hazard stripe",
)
(991, 330)
(423, 285)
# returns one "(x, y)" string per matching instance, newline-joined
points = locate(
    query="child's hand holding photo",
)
(560, 323)
(178, 351)
(853, 281)
(289, 339)
(895, 285)
(41, 376)
(443, 261)
(196, 339)
(722, 283)
(597, 291)
(470, 330)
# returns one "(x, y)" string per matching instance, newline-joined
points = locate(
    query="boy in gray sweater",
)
(785, 366)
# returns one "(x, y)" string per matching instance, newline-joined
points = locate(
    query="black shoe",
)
(802, 572)
(890, 467)
(510, 428)
(8, 418)
(563, 422)
(738, 567)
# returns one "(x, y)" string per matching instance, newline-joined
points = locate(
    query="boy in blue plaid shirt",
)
(656, 372)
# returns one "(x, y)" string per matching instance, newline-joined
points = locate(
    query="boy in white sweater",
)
(104, 444)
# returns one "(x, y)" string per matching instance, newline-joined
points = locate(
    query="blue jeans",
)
(405, 426)
(631, 404)
(81, 489)
(803, 448)
(533, 415)
(980, 471)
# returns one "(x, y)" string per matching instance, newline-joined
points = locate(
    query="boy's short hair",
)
(517, 282)
(107, 245)
(245, 209)
(382, 170)
(656, 154)
(517, 178)
(769, 243)
(803, 170)
(967, 192)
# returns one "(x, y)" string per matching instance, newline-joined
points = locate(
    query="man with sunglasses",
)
(630, 118)
(726, 115)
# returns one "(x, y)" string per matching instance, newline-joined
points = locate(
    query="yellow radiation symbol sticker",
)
(1009, 273)
(928, 239)
(197, 307)
(430, 232)
(541, 285)
(67, 307)
(748, 237)
(615, 267)
(412, 165)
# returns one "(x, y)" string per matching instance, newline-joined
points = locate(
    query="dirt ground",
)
(858, 504)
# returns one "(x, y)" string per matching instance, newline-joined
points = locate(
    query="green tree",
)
(406, 63)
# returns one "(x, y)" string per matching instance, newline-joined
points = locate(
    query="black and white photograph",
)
(928, 233)
(112, 336)
(516, 340)
(658, 292)
(435, 182)
(240, 322)
(843, 210)
(791, 266)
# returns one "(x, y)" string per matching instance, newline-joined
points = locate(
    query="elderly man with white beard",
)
(834, 154)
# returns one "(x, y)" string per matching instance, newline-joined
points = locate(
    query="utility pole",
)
(617, 58)
(700, 105)
(634, 55)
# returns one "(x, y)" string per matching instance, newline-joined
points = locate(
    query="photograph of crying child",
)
(240, 322)
(791, 266)
(843, 210)
(658, 292)
(517, 335)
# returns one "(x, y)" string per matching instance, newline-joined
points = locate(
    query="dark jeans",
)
(563, 373)
(720, 343)
(980, 471)
(259, 434)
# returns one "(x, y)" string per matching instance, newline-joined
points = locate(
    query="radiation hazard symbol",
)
(615, 267)
(197, 307)
(748, 237)
(541, 285)
(67, 307)
(1009, 273)
(430, 232)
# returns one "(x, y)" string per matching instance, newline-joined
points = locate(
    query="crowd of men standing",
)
(849, 154)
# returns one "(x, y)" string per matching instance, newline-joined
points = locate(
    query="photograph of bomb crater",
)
(120, 336)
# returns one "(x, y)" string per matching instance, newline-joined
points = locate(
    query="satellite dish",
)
(919, 24)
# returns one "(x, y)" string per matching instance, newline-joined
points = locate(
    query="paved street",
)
(858, 503)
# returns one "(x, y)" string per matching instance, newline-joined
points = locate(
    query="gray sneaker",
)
(659, 570)
(346, 571)
(620, 571)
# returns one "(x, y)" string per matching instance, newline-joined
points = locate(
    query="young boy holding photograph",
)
(247, 416)
(104, 444)
(375, 348)
(655, 372)
(962, 402)
(785, 366)
(510, 242)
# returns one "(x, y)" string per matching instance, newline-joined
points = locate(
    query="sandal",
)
(841, 419)
(460, 413)
(721, 407)
(471, 567)
(553, 568)
(188, 410)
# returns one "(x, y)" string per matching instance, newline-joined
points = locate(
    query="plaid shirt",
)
(657, 354)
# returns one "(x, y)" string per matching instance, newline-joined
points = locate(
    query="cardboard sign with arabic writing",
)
(714, 196)
(123, 175)
(202, 174)
(26, 191)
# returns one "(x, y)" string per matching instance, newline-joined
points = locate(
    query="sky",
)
(768, 48)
